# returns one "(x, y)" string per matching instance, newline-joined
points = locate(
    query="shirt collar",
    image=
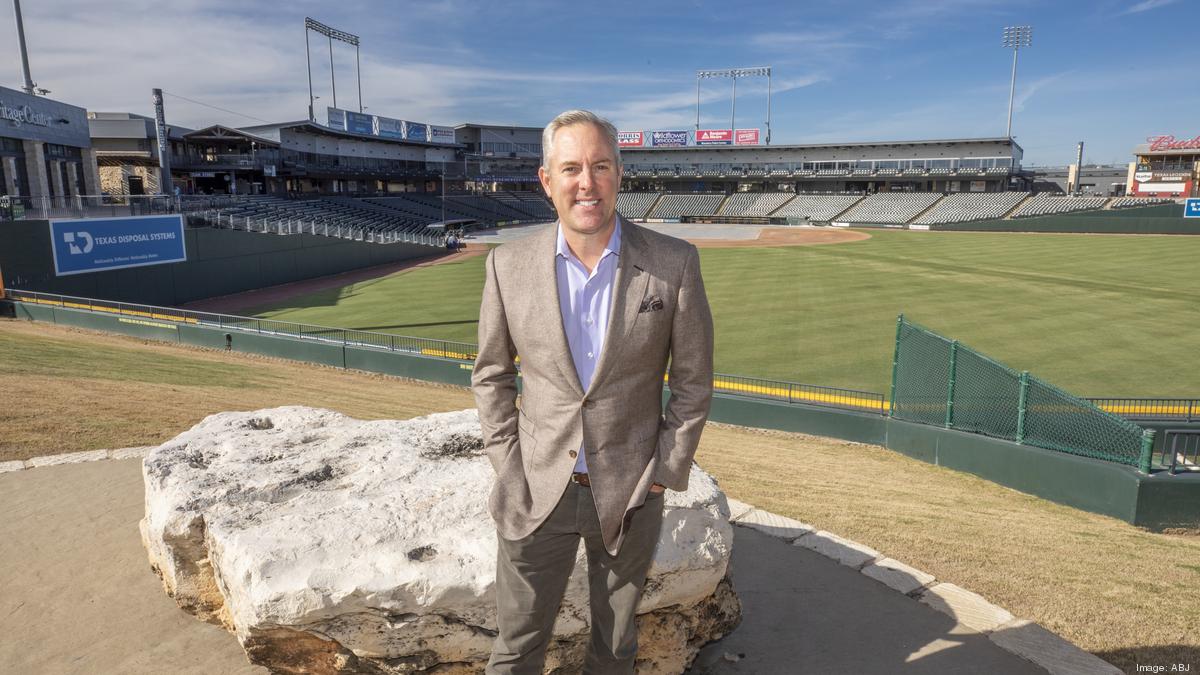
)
(613, 247)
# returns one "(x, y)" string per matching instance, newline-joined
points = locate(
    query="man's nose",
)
(585, 178)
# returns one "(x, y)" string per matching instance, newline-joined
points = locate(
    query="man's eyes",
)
(575, 169)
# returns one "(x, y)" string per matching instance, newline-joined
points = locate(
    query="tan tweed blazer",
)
(659, 313)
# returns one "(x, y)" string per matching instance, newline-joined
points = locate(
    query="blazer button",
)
(573, 454)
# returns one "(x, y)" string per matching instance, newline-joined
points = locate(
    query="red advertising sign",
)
(1168, 142)
(746, 137)
(714, 136)
(629, 139)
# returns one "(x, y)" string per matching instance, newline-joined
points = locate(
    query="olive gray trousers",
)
(532, 574)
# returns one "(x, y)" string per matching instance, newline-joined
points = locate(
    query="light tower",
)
(1015, 37)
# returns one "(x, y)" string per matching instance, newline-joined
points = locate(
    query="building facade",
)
(1165, 167)
(45, 149)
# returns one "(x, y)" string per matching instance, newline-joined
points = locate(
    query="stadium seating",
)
(635, 205)
(967, 206)
(817, 208)
(525, 206)
(1044, 204)
(677, 205)
(1131, 202)
(754, 204)
(332, 216)
(890, 207)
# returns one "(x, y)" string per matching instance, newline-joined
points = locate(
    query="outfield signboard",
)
(415, 131)
(443, 135)
(673, 139)
(359, 123)
(336, 118)
(714, 136)
(1191, 208)
(630, 139)
(97, 244)
(746, 137)
(386, 127)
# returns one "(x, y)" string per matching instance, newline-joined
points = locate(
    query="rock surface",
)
(334, 545)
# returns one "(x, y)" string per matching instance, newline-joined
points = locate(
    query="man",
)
(594, 308)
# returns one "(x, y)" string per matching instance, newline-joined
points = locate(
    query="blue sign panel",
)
(389, 128)
(359, 123)
(97, 244)
(669, 138)
(416, 132)
(1191, 208)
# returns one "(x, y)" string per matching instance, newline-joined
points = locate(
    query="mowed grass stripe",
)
(1096, 315)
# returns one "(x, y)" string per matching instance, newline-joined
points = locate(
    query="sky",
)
(1106, 72)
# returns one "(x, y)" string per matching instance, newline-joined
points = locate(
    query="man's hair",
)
(573, 117)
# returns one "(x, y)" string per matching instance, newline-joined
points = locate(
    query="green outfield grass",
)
(1097, 315)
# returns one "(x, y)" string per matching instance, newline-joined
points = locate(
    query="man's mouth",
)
(591, 202)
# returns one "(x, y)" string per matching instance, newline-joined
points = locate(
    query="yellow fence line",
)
(719, 384)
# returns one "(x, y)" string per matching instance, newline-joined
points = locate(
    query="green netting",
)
(987, 396)
(939, 381)
(922, 371)
(1059, 421)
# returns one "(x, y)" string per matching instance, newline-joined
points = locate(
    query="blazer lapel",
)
(629, 289)
(546, 303)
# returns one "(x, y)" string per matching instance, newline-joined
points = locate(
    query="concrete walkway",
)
(79, 596)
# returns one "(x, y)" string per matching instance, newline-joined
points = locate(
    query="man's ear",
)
(544, 178)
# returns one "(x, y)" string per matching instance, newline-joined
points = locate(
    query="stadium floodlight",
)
(332, 34)
(734, 74)
(1015, 37)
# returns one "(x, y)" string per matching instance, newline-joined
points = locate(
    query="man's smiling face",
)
(582, 177)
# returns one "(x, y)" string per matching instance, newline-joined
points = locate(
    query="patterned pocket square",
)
(651, 304)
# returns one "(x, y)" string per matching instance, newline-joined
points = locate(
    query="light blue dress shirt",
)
(584, 300)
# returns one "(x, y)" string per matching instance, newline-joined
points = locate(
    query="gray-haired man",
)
(595, 308)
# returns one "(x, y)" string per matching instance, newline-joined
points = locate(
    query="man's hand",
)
(657, 489)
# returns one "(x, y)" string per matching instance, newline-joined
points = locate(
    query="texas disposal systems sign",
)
(98, 244)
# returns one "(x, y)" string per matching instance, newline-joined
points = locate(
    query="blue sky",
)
(1106, 72)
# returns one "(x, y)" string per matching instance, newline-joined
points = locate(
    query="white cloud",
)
(1147, 5)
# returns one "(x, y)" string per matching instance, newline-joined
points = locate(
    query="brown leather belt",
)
(581, 478)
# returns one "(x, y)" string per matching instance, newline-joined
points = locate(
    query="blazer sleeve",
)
(690, 378)
(494, 378)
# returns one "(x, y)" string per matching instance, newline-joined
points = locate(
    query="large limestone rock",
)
(332, 545)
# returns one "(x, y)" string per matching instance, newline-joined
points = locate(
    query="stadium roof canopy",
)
(218, 132)
(273, 130)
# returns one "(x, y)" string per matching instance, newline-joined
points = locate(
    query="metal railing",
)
(776, 390)
(1181, 450)
(1180, 409)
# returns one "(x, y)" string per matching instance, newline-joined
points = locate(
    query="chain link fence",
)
(938, 381)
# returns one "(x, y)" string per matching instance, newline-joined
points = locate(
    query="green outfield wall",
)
(219, 262)
(1156, 501)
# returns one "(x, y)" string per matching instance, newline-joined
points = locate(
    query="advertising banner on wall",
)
(714, 136)
(359, 123)
(746, 137)
(630, 139)
(415, 131)
(441, 134)
(675, 139)
(386, 127)
(337, 118)
(97, 244)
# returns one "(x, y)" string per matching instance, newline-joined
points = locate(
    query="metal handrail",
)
(1176, 409)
